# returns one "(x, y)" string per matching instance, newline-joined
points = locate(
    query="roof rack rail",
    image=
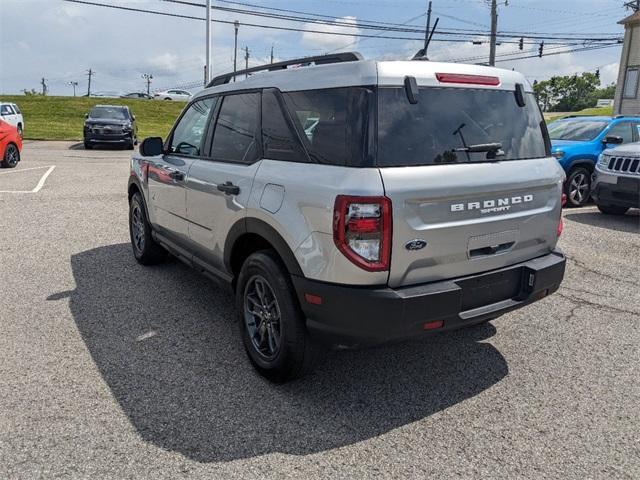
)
(622, 116)
(318, 60)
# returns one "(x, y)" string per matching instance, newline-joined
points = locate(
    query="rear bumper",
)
(353, 316)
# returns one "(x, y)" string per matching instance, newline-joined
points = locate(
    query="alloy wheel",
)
(12, 155)
(262, 317)
(579, 188)
(137, 228)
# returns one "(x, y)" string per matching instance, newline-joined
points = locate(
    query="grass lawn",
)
(62, 118)
(606, 111)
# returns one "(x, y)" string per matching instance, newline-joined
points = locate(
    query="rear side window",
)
(623, 130)
(16, 109)
(333, 123)
(445, 121)
(188, 134)
(237, 134)
(279, 141)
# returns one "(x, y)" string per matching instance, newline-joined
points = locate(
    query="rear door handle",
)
(229, 188)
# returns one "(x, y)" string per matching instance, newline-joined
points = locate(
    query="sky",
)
(60, 41)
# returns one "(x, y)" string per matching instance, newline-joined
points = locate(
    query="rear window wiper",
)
(493, 150)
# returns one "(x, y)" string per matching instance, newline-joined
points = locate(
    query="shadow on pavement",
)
(165, 341)
(101, 146)
(628, 223)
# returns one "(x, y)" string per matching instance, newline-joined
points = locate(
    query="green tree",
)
(567, 93)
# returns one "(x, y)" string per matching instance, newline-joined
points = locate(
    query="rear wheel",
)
(271, 323)
(87, 146)
(578, 187)
(146, 250)
(613, 209)
(11, 156)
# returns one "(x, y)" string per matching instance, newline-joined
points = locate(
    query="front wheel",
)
(613, 209)
(146, 250)
(271, 323)
(578, 187)
(11, 156)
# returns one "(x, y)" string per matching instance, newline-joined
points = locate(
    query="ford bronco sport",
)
(355, 202)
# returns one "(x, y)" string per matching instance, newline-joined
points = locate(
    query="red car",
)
(10, 145)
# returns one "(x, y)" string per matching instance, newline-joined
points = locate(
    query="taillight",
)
(563, 202)
(362, 230)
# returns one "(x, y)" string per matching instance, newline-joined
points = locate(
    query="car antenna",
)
(422, 53)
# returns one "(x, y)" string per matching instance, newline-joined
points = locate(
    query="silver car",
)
(349, 202)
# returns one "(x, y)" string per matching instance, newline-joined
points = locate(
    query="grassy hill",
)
(606, 111)
(62, 118)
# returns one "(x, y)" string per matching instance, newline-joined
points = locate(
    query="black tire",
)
(578, 187)
(87, 146)
(295, 353)
(20, 131)
(11, 156)
(129, 145)
(613, 209)
(168, 99)
(145, 248)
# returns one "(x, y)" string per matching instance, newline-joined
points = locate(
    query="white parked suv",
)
(180, 95)
(353, 202)
(10, 113)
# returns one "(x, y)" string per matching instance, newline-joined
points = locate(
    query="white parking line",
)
(38, 186)
(18, 170)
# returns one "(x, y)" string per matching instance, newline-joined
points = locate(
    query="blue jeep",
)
(577, 141)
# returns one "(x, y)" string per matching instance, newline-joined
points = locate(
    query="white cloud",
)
(331, 42)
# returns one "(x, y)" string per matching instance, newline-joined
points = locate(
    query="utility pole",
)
(147, 78)
(494, 32)
(246, 60)
(74, 85)
(426, 33)
(208, 49)
(236, 26)
(90, 73)
(271, 53)
(43, 82)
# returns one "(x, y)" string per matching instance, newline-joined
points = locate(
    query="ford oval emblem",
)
(416, 244)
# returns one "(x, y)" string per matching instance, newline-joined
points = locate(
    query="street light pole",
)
(207, 75)
(494, 32)
(236, 26)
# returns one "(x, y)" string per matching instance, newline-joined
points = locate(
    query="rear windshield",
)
(445, 121)
(576, 130)
(112, 113)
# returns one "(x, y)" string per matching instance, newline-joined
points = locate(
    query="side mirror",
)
(133, 117)
(613, 140)
(151, 147)
(86, 115)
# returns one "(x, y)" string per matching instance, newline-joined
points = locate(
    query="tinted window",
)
(333, 123)
(6, 110)
(445, 120)
(576, 130)
(16, 109)
(236, 136)
(111, 113)
(189, 132)
(278, 140)
(622, 129)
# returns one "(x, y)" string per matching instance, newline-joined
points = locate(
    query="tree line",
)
(572, 92)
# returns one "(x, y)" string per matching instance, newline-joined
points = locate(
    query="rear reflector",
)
(560, 227)
(433, 325)
(313, 299)
(467, 79)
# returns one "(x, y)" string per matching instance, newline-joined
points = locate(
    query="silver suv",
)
(616, 181)
(351, 202)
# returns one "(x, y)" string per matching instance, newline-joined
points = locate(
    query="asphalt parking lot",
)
(113, 370)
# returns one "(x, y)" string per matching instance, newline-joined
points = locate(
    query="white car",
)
(180, 95)
(10, 113)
